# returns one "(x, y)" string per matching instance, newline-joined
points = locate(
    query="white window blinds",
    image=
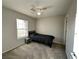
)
(22, 28)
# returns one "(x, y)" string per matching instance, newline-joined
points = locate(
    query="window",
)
(22, 28)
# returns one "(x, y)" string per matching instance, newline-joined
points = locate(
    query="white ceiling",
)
(59, 7)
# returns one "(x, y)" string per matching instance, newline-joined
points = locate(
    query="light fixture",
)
(38, 9)
(38, 13)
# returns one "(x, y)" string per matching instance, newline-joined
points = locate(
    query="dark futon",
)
(41, 38)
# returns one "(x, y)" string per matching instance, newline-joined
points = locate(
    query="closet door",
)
(76, 34)
(71, 17)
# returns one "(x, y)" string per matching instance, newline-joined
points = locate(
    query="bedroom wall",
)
(9, 39)
(52, 26)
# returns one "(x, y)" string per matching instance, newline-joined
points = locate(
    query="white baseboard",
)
(12, 48)
(59, 42)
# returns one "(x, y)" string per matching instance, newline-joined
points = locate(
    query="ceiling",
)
(58, 7)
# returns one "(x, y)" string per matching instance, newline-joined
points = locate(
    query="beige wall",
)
(9, 39)
(52, 26)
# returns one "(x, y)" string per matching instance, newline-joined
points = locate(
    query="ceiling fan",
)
(39, 10)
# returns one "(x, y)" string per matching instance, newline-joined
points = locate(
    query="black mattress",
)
(41, 38)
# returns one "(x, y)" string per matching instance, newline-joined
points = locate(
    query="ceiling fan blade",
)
(47, 7)
(33, 9)
(44, 8)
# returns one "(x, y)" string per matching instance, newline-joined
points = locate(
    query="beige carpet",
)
(36, 51)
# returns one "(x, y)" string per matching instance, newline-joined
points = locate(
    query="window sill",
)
(21, 38)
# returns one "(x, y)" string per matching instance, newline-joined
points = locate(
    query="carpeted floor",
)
(36, 51)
